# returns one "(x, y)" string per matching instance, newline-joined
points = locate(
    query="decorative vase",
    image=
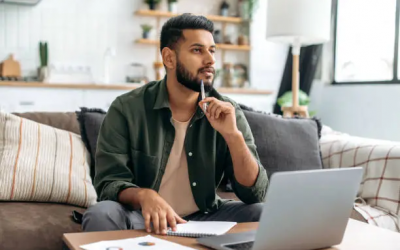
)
(224, 9)
(173, 7)
(243, 40)
(43, 73)
(146, 35)
(152, 5)
(217, 36)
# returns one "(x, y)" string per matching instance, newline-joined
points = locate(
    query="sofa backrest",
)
(282, 144)
(65, 121)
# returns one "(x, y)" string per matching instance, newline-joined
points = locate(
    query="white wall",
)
(361, 110)
(79, 32)
(267, 59)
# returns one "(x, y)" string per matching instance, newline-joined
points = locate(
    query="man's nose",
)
(209, 58)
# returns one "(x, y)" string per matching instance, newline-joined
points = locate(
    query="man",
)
(160, 156)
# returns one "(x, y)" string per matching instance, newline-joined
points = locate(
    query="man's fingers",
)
(211, 109)
(147, 222)
(163, 223)
(156, 222)
(209, 99)
(171, 221)
(218, 112)
(179, 220)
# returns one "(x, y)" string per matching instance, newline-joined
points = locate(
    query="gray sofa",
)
(28, 225)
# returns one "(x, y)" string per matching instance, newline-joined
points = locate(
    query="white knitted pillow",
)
(44, 164)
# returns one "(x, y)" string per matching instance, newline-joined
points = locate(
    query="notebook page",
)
(205, 227)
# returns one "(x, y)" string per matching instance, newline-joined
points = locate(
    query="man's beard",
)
(193, 82)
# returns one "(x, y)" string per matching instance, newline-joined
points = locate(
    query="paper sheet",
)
(205, 227)
(147, 242)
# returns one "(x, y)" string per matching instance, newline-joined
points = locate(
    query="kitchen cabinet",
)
(56, 98)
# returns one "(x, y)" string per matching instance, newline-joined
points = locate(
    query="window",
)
(366, 41)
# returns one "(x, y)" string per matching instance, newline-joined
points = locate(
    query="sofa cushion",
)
(42, 163)
(90, 121)
(35, 226)
(285, 144)
(65, 121)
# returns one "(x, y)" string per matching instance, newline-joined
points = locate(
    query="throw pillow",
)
(44, 164)
(61, 120)
(90, 121)
(285, 144)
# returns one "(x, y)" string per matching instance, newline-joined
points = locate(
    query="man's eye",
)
(212, 51)
(196, 50)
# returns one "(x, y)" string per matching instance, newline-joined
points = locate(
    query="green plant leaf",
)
(286, 99)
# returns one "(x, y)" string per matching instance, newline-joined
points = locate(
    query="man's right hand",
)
(156, 210)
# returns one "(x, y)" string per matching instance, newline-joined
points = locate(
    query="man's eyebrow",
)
(201, 45)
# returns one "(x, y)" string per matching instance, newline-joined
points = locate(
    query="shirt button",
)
(206, 212)
(194, 184)
(190, 154)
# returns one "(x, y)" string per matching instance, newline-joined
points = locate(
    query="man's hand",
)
(221, 116)
(156, 210)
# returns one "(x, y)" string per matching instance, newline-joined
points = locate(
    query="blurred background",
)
(59, 55)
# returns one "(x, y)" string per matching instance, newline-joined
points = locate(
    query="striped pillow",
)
(44, 164)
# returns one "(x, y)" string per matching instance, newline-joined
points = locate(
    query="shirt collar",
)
(162, 100)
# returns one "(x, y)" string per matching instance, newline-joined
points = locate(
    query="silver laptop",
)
(302, 210)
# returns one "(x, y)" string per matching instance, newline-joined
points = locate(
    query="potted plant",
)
(287, 98)
(247, 8)
(152, 3)
(43, 71)
(173, 6)
(146, 28)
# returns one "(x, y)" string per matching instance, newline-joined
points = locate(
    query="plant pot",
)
(145, 35)
(173, 7)
(243, 40)
(152, 5)
(43, 74)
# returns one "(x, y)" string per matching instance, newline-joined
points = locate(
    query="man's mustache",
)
(210, 69)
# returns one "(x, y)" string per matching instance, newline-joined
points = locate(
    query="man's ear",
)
(169, 58)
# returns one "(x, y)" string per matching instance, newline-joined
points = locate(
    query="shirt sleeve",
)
(255, 193)
(112, 172)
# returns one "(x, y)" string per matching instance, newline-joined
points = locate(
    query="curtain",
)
(309, 61)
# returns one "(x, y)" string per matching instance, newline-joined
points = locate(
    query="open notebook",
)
(197, 229)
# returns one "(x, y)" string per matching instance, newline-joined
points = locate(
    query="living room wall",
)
(360, 110)
(79, 32)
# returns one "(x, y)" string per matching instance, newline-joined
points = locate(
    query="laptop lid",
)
(307, 209)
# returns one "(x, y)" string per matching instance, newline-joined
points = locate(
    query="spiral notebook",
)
(197, 229)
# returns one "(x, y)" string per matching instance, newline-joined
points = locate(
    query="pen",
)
(203, 96)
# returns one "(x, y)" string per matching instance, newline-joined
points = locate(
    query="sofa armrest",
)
(380, 186)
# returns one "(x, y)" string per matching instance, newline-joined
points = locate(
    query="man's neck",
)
(183, 101)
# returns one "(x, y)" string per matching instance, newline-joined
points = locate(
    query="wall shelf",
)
(158, 15)
(127, 86)
(214, 18)
(219, 45)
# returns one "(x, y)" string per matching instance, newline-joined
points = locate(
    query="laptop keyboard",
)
(241, 246)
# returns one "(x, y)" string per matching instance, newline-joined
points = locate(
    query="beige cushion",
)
(42, 163)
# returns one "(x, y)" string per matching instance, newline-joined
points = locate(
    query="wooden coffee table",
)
(358, 236)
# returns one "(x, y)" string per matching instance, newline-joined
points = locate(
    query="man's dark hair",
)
(172, 30)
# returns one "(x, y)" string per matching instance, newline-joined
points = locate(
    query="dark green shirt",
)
(136, 138)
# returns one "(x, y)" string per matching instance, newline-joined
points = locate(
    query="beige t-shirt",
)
(175, 185)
